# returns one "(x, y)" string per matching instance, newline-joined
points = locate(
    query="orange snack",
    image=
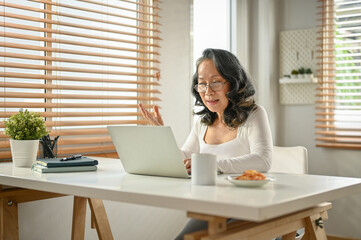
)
(251, 175)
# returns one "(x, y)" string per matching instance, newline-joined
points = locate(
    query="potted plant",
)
(294, 73)
(25, 129)
(308, 73)
(301, 72)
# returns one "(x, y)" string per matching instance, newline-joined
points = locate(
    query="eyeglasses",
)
(215, 86)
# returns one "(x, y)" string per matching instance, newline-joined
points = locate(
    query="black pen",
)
(71, 158)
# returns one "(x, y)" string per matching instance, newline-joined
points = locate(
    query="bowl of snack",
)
(249, 178)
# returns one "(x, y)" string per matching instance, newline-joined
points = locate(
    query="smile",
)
(212, 102)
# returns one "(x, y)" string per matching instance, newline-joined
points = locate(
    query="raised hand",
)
(156, 119)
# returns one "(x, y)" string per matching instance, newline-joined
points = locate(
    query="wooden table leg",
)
(79, 214)
(215, 225)
(100, 218)
(9, 227)
(290, 236)
(316, 231)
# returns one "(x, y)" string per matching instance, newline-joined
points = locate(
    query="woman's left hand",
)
(187, 164)
(156, 119)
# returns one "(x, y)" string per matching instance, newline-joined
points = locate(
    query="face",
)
(215, 101)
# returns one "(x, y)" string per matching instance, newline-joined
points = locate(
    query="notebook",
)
(148, 150)
(43, 169)
(56, 162)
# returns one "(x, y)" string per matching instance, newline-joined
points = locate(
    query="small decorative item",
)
(308, 73)
(301, 72)
(294, 73)
(25, 129)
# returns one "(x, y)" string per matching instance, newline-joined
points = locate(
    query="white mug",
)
(203, 169)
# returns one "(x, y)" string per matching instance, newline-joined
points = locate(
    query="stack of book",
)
(51, 165)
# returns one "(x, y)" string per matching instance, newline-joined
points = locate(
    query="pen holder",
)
(48, 147)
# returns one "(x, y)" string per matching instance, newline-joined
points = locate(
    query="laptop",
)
(148, 150)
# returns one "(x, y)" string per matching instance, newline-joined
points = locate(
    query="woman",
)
(231, 125)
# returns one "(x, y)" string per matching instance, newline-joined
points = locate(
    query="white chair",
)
(289, 160)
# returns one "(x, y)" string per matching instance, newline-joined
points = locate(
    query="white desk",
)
(289, 193)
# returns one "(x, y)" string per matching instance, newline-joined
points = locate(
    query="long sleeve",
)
(191, 145)
(259, 136)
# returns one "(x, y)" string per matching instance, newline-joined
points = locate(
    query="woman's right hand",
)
(187, 164)
(156, 119)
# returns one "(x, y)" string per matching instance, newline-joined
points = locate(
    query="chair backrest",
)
(289, 160)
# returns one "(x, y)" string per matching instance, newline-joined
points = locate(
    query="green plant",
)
(301, 70)
(25, 125)
(308, 71)
(294, 72)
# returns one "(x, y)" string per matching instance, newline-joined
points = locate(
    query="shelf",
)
(298, 80)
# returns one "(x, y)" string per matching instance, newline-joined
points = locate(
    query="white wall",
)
(297, 127)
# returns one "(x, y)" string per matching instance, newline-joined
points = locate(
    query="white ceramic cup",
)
(204, 169)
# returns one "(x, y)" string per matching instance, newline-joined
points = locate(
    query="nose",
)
(209, 90)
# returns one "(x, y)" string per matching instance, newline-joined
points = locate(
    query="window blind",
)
(339, 89)
(83, 64)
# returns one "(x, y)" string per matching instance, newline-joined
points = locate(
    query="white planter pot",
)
(24, 152)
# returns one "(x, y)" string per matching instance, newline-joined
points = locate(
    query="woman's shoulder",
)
(199, 125)
(258, 112)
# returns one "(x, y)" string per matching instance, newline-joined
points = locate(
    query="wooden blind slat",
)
(70, 69)
(336, 120)
(71, 87)
(334, 127)
(84, 140)
(72, 132)
(93, 123)
(74, 96)
(340, 145)
(78, 79)
(47, 49)
(78, 43)
(72, 60)
(65, 105)
(340, 139)
(79, 26)
(70, 150)
(71, 141)
(89, 149)
(77, 34)
(78, 114)
(339, 133)
(89, 123)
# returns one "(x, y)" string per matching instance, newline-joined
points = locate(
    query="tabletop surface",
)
(287, 193)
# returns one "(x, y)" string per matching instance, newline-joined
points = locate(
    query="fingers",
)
(157, 115)
(187, 164)
(155, 119)
(142, 110)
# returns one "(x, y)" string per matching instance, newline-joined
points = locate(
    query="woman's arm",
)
(261, 146)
